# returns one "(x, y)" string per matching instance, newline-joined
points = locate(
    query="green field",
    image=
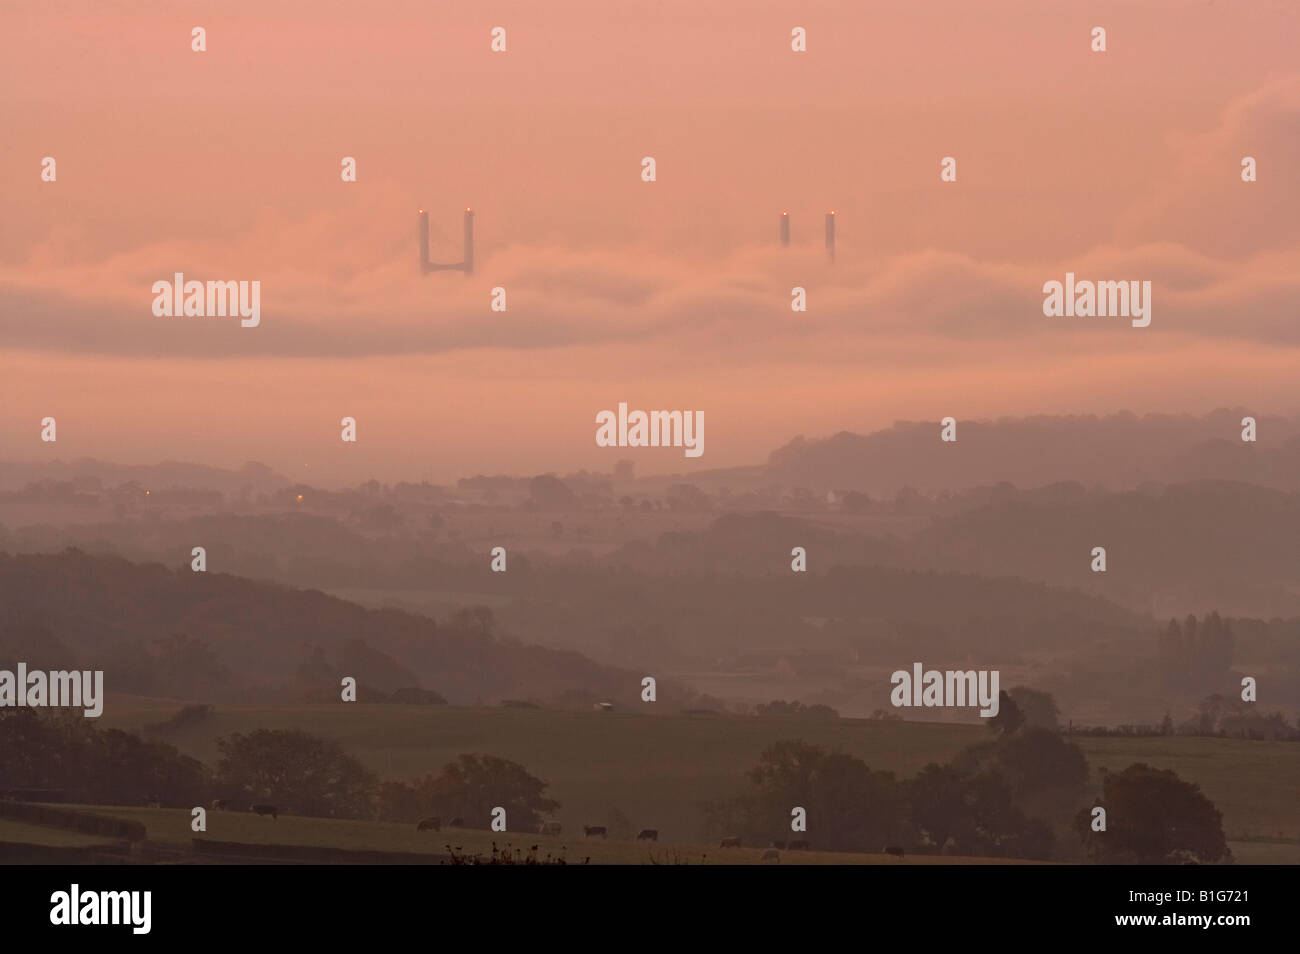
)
(656, 770)
(173, 826)
(1255, 784)
(25, 834)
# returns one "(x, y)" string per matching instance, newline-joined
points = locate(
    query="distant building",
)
(625, 470)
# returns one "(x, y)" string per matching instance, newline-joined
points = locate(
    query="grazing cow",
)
(264, 810)
(893, 850)
(731, 841)
(550, 828)
(429, 824)
(778, 844)
(799, 844)
(648, 834)
(591, 831)
(456, 823)
(218, 804)
(772, 855)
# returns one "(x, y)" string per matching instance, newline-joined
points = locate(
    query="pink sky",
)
(225, 165)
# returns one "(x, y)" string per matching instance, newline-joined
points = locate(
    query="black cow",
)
(592, 831)
(895, 850)
(264, 810)
(429, 824)
(456, 823)
(732, 841)
(648, 834)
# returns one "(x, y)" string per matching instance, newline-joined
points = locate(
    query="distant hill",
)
(1120, 451)
(1193, 547)
(1184, 548)
(726, 599)
(161, 631)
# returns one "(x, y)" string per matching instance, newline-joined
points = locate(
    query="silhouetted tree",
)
(1038, 708)
(473, 785)
(999, 827)
(300, 773)
(65, 752)
(1009, 717)
(1154, 817)
(852, 807)
(974, 813)
(121, 768)
(937, 799)
(1036, 759)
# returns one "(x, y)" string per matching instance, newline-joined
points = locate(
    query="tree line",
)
(1024, 793)
(68, 757)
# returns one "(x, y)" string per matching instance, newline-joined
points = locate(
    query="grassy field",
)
(25, 834)
(656, 771)
(1255, 784)
(173, 826)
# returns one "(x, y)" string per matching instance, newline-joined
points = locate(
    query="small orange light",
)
(300, 496)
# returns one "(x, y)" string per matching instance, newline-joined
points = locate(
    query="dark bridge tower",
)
(466, 266)
(469, 241)
(424, 241)
(785, 228)
(830, 235)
